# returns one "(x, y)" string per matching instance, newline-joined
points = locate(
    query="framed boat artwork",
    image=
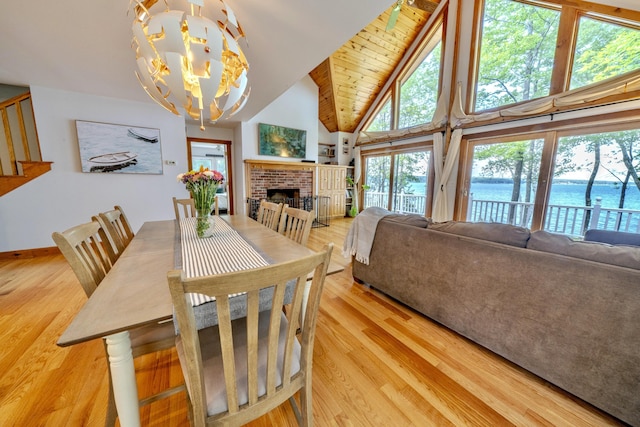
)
(115, 148)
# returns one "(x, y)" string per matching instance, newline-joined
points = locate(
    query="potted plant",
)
(354, 200)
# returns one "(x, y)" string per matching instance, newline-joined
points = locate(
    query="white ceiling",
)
(85, 45)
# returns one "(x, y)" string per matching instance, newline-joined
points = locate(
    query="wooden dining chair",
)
(117, 227)
(86, 248)
(269, 214)
(296, 224)
(239, 370)
(186, 208)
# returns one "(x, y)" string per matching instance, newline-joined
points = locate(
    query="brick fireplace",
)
(264, 175)
(294, 180)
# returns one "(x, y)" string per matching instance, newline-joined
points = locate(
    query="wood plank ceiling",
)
(353, 76)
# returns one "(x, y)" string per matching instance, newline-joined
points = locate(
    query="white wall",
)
(323, 134)
(296, 108)
(209, 132)
(66, 196)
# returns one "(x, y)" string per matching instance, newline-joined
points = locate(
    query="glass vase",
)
(204, 223)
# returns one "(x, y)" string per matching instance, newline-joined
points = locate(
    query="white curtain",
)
(623, 83)
(443, 168)
(438, 120)
(357, 165)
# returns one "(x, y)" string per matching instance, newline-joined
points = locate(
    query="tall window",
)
(519, 41)
(382, 120)
(419, 92)
(504, 181)
(416, 90)
(516, 53)
(603, 50)
(594, 181)
(398, 182)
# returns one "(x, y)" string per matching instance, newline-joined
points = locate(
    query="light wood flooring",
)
(376, 363)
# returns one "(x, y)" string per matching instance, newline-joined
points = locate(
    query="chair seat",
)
(213, 368)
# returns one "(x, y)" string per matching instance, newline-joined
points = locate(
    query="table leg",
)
(123, 378)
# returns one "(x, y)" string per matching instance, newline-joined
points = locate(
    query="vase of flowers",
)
(203, 185)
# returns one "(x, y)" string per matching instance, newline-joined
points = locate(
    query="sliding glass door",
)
(398, 182)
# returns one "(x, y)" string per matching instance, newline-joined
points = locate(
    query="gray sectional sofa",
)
(566, 311)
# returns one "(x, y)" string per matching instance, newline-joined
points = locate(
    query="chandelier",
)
(187, 59)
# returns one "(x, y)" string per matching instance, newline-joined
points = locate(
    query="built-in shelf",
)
(326, 150)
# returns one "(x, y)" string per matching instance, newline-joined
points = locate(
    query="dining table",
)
(135, 292)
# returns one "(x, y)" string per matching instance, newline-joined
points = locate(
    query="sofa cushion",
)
(492, 231)
(409, 219)
(624, 256)
(612, 237)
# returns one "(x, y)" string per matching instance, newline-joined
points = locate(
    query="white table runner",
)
(224, 252)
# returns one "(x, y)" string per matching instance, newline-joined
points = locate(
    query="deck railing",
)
(403, 203)
(563, 219)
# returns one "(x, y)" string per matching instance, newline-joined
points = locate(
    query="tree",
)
(382, 121)
(516, 60)
(419, 93)
(520, 160)
(377, 173)
(615, 152)
(516, 53)
(604, 50)
(408, 167)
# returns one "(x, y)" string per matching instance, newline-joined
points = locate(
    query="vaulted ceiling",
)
(92, 52)
(85, 46)
(351, 79)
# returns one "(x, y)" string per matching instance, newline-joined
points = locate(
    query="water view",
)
(566, 194)
(566, 211)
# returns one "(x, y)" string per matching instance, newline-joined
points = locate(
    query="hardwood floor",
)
(376, 363)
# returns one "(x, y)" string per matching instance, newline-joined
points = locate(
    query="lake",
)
(566, 194)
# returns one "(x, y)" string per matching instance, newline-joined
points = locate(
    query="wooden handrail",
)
(22, 161)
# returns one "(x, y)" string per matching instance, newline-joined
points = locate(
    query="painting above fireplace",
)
(281, 141)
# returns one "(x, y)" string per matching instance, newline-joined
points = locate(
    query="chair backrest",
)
(117, 227)
(88, 251)
(246, 357)
(296, 224)
(186, 208)
(269, 214)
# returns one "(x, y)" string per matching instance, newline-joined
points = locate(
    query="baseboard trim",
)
(29, 253)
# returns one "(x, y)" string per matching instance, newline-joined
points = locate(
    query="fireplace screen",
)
(318, 204)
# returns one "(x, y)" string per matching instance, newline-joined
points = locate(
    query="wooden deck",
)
(376, 363)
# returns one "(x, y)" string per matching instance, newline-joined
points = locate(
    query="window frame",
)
(413, 61)
(565, 44)
(426, 47)
(551, 133)
(392, 151)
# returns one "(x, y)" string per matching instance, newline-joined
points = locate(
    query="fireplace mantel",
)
(275, 164)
